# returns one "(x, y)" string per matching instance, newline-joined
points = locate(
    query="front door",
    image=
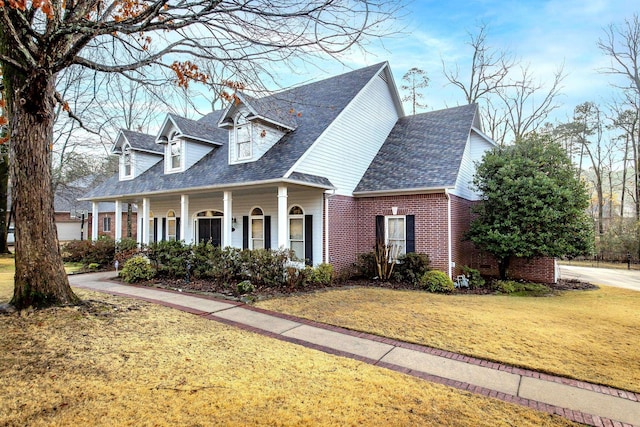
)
(210, 229)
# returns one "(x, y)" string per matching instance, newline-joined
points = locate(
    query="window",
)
(257, 228)
(106, 224)
(171, 225)
(296, 232)
(243, 137)
(396, 233)
(175, 153)
(126, 161)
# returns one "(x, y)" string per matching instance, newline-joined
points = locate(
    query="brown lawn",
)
(588, 335)
(123, 362)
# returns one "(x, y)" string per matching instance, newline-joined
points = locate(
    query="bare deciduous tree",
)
(413, 81)
(39, 40)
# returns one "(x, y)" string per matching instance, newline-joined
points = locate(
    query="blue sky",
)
(542, 34)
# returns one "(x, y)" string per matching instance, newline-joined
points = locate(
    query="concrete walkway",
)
(576, 400)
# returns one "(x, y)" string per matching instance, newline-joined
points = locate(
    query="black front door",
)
(210, 229)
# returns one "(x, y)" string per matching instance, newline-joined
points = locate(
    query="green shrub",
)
(436, 281)
(321, 275)
(93, 266)
(475, 278)
(245, 287)
(366, 266)
(296, 277)
(170, 258)
(101, 251)
(137, 269)
(411, 267)
(512, 287)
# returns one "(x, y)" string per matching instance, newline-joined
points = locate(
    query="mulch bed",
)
(229, 292)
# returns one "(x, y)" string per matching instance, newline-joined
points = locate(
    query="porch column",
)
(283, 229)
(227, 219)
(146, 207)
(118, 220)
(184, 219)
(139, 227)
(94, 221)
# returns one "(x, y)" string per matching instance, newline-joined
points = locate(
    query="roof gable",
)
(191, 129)
(137, 140)
(316, 104)
(423, 151)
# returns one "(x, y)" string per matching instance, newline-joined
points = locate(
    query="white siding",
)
(473, 152)
(143, 161)
(310, 201)
(192, 152)
(262, 139)
(343, 153)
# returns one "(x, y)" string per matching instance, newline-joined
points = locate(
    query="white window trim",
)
(127, 153)
(106, 224)
(301, 217)
(251, 218)
(174, 140)
(173, 219)
(386, 231)
(236, 144)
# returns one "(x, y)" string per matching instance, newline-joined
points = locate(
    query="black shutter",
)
(267, 232)
(164, 229)
(308, 239)
(155, 229)
(178, 237)
(245, 232)
(411, 233)
(379, 230)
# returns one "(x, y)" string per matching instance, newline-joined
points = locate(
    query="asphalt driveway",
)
(629, 279)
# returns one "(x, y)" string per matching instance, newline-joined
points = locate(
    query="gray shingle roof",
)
(273, 109)
(142, 141)
(318, 104)
(200, 130)
(422, 151)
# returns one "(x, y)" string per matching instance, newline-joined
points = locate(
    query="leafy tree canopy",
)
(533, 203)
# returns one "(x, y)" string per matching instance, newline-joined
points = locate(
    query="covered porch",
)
(276, 216)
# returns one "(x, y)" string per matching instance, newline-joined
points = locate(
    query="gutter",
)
(205, 188)
(449, 254)
(404, 192)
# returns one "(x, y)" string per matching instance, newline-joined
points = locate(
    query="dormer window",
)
(242, 138)
(175, 153)
(126, 161)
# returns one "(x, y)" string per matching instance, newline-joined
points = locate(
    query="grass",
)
(118, 361)
(587, 335)
(601, 264)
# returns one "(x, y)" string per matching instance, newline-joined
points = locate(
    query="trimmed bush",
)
(321, 275)
(101, 251)
(137, 269)
(366, 266)
(411, 267)
(245, 287)
(475, 278)
(436, 281)
(171, 258)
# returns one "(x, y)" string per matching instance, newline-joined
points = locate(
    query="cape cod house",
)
(325, 169)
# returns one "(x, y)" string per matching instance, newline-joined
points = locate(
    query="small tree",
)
(533, 203)
(413, 81)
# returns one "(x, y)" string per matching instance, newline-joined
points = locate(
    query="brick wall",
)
(112, 233)
(343, 231)
(352, 231)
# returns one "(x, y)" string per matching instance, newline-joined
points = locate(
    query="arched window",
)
(175, 152)
(242, 137)
(257, 228)
(171, 225)
(296, 232)
(126, 160)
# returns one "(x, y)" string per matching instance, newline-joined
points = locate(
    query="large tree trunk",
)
(4, 192)
(40, 279)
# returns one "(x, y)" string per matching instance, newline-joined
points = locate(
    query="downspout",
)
(327, 196)
(450, 261)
